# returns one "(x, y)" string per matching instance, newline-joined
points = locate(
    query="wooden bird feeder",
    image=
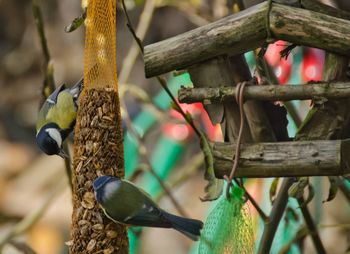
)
(211, 54)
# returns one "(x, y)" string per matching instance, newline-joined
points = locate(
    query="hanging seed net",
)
(100, 66)
(98, 141)
(228, 228)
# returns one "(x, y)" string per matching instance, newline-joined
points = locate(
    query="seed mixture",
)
(98, 150)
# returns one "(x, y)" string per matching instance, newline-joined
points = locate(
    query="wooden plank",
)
(245, 31)
(238, 33)
(284, 159)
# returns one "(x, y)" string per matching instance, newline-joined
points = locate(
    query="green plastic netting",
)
(228, 228)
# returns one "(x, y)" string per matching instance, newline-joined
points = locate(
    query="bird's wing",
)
(42, 115)
(62, 111)
(149, 216)
(52, 99)
(138, 211)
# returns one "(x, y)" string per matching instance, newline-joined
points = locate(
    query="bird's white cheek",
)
(55, 135)
(110, 189)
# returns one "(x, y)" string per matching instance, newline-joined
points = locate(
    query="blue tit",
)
(125, 203)
(56, 118)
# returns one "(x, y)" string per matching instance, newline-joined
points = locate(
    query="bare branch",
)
(311, 91)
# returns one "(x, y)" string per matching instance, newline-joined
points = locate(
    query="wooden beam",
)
(304, 27)
(245, 31)
(313, 91)
(284, 159)
(315, 5)
(238, 33)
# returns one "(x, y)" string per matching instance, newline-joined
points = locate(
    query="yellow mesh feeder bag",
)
(100, 66)
(228, 228)
(98, 140)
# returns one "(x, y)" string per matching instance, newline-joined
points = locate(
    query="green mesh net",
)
(228, 228)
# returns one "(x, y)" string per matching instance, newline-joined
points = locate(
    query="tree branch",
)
(310, 91)
(49, 84)
(141, 30)
(276, 213)
(311, 227)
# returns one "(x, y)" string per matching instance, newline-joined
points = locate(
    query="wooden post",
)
(284, 159)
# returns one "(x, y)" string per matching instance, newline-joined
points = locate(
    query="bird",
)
(125, 203)
(57, 117)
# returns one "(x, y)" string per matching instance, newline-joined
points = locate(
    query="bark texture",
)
(246, 31)
(314, 91)
(284, 159)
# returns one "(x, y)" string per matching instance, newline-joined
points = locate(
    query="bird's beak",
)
(63, 154)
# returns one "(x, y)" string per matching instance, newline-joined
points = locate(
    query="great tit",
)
(56, 118)
(125, 203)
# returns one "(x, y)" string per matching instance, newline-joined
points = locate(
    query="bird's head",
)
(104, 187)
(49, 140)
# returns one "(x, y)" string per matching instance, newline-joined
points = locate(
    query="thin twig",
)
(299, 236)
(161, 81)
(130, 59)
(177, 106)
(143, 151)
(131, 29)
(275, 216)
(311, 227)
(38, 17)
(303, 232)
(141, 30)
(49, 83)
(76, 23)
(184, 173)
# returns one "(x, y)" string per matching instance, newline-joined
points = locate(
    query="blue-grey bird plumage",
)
(124, 202)
(57, 117)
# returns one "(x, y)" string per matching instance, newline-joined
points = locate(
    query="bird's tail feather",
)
(189, 227)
